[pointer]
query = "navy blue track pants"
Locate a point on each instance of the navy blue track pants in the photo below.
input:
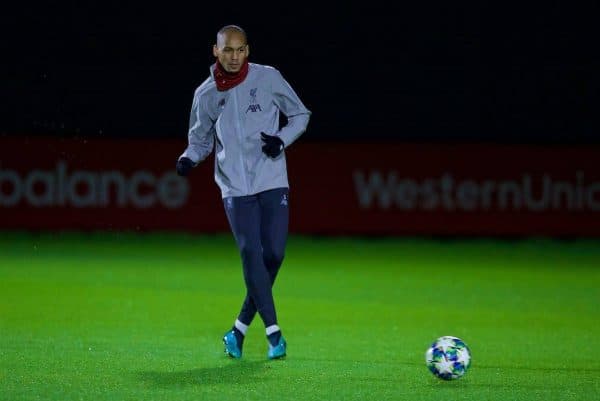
(260, 225)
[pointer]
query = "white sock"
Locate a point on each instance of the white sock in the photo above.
(272, 329)
(241, 326)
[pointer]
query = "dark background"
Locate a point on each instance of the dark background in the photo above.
(436, 71)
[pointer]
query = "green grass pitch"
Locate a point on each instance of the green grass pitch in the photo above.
(140, 317)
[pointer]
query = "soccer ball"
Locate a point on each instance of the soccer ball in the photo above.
(448, 358)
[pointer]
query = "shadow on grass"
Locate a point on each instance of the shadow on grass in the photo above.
(390, 362)
(236, 372)
(543, 369)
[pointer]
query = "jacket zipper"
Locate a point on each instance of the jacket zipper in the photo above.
(240, 138)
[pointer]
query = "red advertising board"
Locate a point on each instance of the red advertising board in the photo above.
(348, 189)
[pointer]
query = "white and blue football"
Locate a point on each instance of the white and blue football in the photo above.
(448, 358)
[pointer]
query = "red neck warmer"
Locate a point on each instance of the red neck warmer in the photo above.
(227, 80)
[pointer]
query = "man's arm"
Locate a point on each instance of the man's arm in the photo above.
(292, 107)
(200, 134)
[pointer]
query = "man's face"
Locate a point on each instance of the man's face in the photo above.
(231, 50)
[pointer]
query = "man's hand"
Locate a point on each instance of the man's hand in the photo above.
(184, 166)
(273, 145)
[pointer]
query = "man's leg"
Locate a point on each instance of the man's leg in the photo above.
(273, 231)
(244, 217)
(274, 206)
(273, 235)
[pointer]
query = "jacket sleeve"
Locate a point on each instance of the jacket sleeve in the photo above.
(291, 106)
(200, 134)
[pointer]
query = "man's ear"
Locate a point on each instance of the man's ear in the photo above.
(247, 50)
(215, 51)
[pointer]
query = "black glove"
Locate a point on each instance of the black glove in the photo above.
(184, 166)
(273, 145)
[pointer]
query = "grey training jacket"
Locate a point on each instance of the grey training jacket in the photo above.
(235, 118)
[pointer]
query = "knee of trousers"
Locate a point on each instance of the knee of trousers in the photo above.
(273, 258)
(251, 256)
(248, 246)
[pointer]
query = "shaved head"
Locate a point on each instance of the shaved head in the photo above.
(228, 30)
(231, 48)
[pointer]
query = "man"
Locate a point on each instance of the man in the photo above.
(236, 110)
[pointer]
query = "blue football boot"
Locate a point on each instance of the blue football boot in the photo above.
(232, 348)
(278, 351)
